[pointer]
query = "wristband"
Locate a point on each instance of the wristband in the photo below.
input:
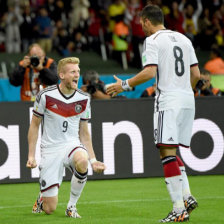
(125, 86)
(93, 160)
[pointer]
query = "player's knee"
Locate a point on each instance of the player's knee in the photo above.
(82, 165)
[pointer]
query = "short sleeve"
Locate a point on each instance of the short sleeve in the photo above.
(150, 53)
(86, 115)
(39, 105)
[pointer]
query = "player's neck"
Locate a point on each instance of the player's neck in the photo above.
(65, 90)
(157, 28)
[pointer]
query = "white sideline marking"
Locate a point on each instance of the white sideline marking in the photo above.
(114, 201)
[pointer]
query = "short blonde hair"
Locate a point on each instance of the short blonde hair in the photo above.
(65, 61)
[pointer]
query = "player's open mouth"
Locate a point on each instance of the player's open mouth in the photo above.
(75, 81)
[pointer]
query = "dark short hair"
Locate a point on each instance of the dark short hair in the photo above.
(91, 76)
(153, 13)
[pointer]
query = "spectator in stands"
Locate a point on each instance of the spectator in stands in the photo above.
(13, 20)
(205, 37)
(174, 20)
(50, 6)
(191, 15)
(216, 64)
(204, 86)
(101, 8)
(34, 72)
(94, 29)
(116, 11)
(44, 29)
(218, 25)
(37, 3)
(222, 11)
(57, 11)
(219, 37)
(94, 86)
(120, 36)
(190, 34)
(204, 20)
(26, 28)
(137, 34)
(79, 15)
(62, 42)
(119, 27)
(2, 31)
(161, 4)
(79, 42)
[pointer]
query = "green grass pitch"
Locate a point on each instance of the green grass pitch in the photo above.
(126, 201)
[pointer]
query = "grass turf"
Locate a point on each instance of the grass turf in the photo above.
(128, 201)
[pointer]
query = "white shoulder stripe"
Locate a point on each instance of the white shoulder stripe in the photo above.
(49, 88)
(82, 92)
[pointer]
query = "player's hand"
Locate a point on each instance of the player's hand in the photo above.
(31, 163)
(115, 88)
(98, 167)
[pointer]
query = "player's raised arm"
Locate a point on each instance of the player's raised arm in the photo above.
(146, 74)
(32, 141)
(86, 140)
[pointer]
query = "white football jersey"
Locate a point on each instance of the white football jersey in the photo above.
(61, 115)
(173, 54)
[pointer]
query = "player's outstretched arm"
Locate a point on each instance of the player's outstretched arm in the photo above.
(146, 74)
(86, 140)
(32, 141)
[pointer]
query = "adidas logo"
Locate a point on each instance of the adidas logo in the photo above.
(170, 139)
(54, 106)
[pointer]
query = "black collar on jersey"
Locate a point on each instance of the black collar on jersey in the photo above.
(66, 97)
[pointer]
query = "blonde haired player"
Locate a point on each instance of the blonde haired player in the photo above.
(170, 57)
(64, 111)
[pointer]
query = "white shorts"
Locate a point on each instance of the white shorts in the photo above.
(52, 164)
(173, 127)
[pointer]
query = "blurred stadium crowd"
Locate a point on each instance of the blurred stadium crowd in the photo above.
(79, 25)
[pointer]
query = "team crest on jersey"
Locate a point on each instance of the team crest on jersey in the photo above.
(78, 108)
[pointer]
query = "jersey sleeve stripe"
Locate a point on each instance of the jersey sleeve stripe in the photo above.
(83, 93)
(194, 64)
(49, 88)
(151, 65)
(37, 114)
(166, 145)
(85, 119)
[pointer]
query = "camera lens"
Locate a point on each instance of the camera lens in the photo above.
(34, 60)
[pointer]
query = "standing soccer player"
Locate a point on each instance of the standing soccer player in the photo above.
(64, 111)
(170, 57)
